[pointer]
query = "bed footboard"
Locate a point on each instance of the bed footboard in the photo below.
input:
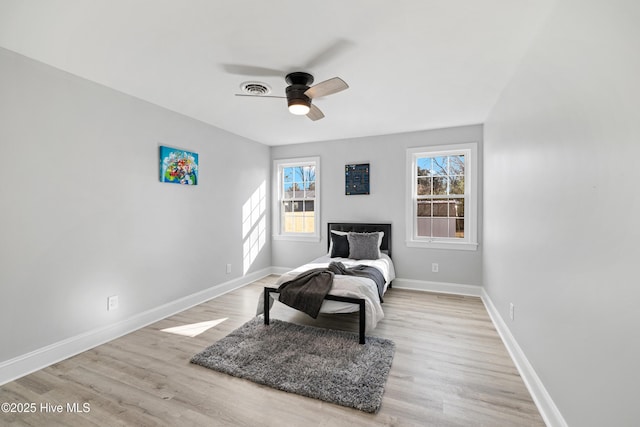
(359, 301)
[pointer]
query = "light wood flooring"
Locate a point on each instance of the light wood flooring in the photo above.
(450, 369)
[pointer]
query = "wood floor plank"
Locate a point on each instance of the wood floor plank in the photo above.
(450, 369)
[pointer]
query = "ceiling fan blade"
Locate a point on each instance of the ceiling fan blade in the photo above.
(250, 70)
(314, 113)
(327, 87)
(330, 52)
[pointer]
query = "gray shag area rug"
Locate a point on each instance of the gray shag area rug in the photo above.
(324, 364)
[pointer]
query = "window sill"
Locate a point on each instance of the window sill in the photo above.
(460, 246)
(297, 238)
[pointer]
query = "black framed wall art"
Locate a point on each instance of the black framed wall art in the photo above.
(356, 179)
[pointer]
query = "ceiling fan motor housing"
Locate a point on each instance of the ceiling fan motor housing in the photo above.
(299, 78)
(295, 95)
(298, 82)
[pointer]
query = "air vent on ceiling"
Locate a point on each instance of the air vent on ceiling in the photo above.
(255, 88)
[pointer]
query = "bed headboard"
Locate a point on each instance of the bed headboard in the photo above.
(360, 227)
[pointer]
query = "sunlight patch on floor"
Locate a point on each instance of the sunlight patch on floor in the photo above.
(194, 329)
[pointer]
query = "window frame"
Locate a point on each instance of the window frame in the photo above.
(470, 240)
(278, 166)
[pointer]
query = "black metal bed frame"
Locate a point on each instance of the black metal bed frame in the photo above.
(359, 301)
(344, 226)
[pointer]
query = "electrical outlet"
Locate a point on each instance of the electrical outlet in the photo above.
(228, 268)
(112, 303)
(434, 267)
(511, 311)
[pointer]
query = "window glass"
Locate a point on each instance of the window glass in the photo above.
(441, 193)
(297, 181)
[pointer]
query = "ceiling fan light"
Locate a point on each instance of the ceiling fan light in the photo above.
(299, 107)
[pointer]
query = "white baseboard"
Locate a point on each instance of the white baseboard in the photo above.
(442, 287)
(548, 409)
(420, 285)
(280, 270)
(27, 363)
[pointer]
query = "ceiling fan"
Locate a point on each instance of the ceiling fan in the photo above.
(300, 93)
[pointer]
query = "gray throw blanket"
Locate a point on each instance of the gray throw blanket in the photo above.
(361, 271)
(306, 292)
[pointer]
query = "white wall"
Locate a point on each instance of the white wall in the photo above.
(386, 155)
(561, 201)
(84, 215)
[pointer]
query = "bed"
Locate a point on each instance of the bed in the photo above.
(348, 293)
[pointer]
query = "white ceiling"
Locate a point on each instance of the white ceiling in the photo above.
(410, 64)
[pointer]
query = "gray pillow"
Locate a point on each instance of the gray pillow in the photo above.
(364, 245)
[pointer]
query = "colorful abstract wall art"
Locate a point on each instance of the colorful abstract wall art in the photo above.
(178, 166)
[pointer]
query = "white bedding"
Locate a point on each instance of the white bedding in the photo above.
(347, 286)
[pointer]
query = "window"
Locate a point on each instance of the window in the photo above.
(297, 198)
(442, 201)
